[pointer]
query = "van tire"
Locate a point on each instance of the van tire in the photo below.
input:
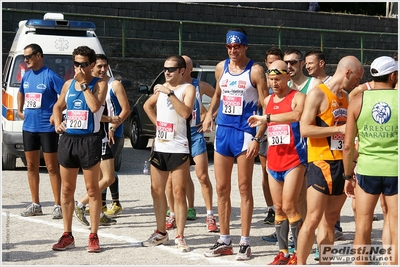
(137, 141)
(9, 162)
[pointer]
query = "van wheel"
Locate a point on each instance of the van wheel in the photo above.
(137, 141)
(9, 162)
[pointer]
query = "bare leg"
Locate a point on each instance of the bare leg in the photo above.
(201, 169)
(223, 175)
(33, 162)
(107, 177)
(179, 181)
(91, 176)
(265, 182)
(245, 182)
(54, 173)
(68, 186)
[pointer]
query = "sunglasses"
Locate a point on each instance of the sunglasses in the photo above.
(235, 47)
(28, 57)
(277, 71)
(170, 69)
(293, 61)
(81, 64)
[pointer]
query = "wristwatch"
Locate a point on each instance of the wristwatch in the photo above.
(171, 92)
(84, 87)
(258, 140)
(112, 129)
(347, 177)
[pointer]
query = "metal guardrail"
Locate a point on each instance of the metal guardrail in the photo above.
(181, 24)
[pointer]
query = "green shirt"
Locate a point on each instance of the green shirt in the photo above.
(377, 127)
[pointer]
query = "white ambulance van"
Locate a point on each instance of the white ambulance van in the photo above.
(58, 38)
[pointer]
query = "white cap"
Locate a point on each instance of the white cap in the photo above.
(383, 65)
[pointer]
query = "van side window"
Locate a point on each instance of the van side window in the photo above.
(20, 68)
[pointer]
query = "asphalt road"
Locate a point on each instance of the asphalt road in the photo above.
(28, 240)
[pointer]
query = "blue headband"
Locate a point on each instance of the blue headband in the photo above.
(235, 37)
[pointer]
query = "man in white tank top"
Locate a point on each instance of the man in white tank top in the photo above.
(170, 109)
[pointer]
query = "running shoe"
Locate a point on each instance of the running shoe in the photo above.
(290, 240)
(280, 259)
(219, 249)
(65, 242)
(211, 223)
(103, 209)
(244, 252)
(170, 223)
(93, 243)
(180, 243)
(80, 215)
(270, 238)
(32, 210)
(191, 214)
(270, 219)
(316, 254)
(106, 221)
(114, 211)
(293, 260)
(156, 239)
(338, 235)
(168, 213)
(57, 213)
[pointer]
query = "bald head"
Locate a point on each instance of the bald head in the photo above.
(349, 63)
(350, 72)
(279, 64)
(189, 68)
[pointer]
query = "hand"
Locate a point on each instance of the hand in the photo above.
(256, 120)
(21, 115)
(111, 137)
(207, 124)
(342, 129)
(79, 75)
(161, 88)
(349, 186)
(116, 120)
(61, 128)
(253, 149)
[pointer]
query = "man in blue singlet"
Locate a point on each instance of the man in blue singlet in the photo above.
(241, 83)
(80, 145)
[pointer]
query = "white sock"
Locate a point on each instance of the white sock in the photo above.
(79, 204)
(172, 214)
(210, 213)
(271, 207)
(245, 240)
(225, 238)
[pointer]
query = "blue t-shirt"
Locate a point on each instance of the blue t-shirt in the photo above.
(41, 89)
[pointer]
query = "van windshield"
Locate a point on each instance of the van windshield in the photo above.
(60, 64)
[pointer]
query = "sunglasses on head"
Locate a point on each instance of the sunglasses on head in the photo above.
(29, 56)
(293, 61)
(277, 71)
(170, 69)
(235, 47)
(81, 64)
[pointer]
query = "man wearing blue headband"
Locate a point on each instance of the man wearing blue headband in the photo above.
(241, 86)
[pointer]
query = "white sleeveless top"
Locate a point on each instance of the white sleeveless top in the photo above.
(171, 128)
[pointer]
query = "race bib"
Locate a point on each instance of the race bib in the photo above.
(33, 100)
(278, 134)
(165, 130)
(193, 122)
(77, 119)
(232, 104)
(337, 142)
